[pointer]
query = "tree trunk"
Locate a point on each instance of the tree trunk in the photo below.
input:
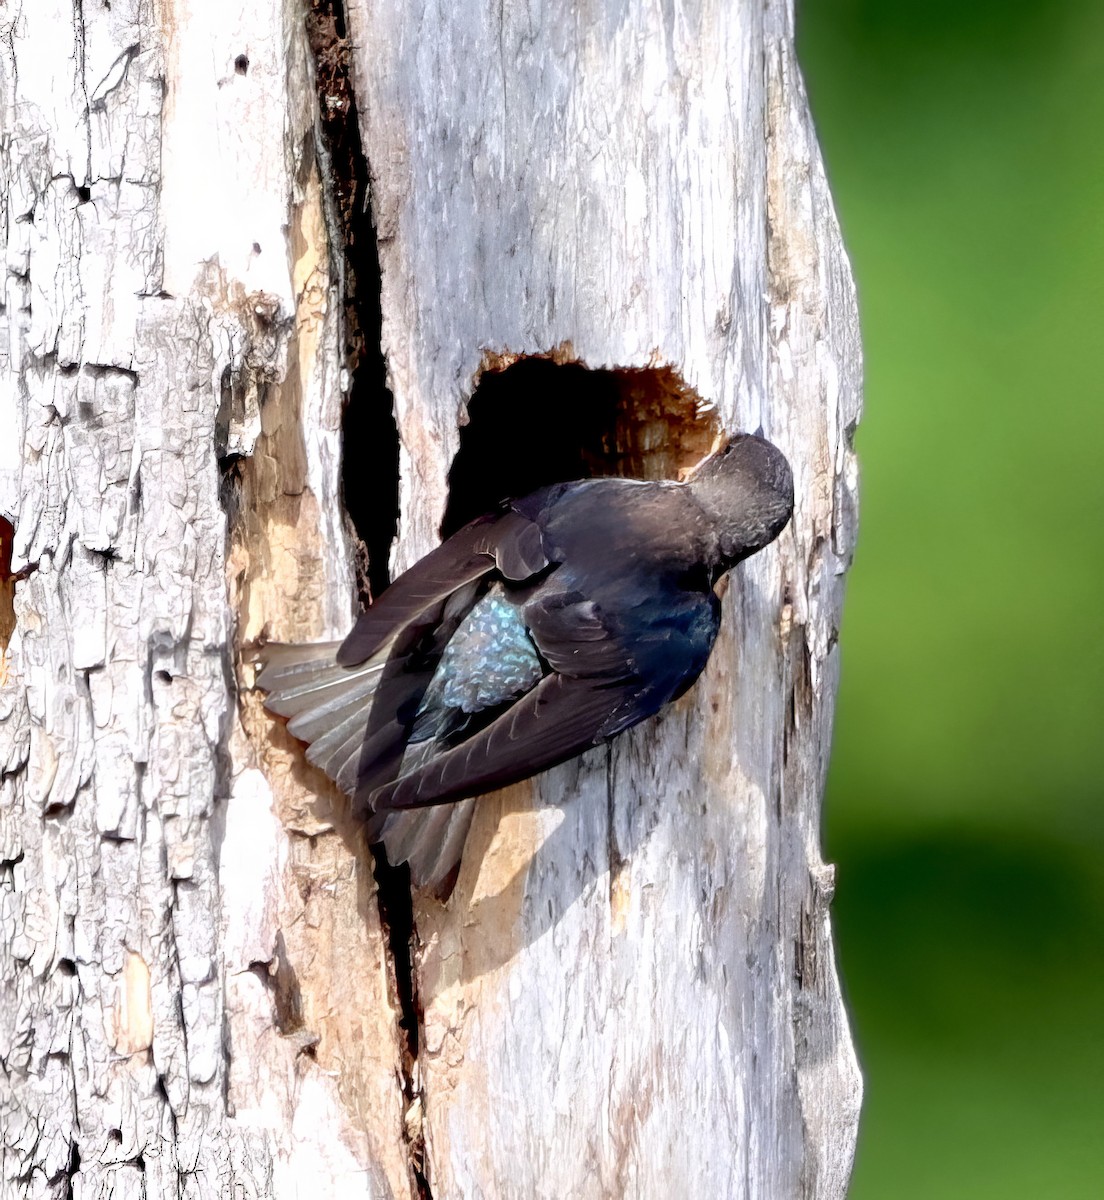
(631, 991)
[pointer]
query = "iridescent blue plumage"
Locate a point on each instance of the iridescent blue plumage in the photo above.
(488, 660)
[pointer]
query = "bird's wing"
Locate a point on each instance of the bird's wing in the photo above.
(576, 639)
(507, 541)
(592, 692)
(561, 717)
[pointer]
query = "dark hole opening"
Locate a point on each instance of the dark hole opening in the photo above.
(241, 64)
(538, 422)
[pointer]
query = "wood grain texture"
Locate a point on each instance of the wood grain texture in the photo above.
(193, 994)
(632, 991)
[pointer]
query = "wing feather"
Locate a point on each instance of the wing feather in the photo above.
(506, 541)
(559, 718)
(575, 639)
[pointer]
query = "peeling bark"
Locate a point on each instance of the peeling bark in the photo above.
(193, 994)
(632, 988)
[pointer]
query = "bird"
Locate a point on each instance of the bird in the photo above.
(535, 632)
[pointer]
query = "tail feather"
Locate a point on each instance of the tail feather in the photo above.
(328, 747)
(285, 663)
(381, 755)
(322, 685)
(430, 840)
(344, 764)
(436, 862)
(402, 838)
(330, 708)
(329, 704)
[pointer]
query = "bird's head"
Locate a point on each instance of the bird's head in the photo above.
(746, 490)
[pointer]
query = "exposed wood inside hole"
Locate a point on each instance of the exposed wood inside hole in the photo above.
(538, 421)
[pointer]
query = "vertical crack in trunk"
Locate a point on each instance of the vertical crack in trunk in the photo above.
(370, 467)
(370, 479)
(72, 1170)
(7, 590)
(396, 908)
(634, 422)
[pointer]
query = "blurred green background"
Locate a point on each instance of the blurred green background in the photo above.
(965, 144)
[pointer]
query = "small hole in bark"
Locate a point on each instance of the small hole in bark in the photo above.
(538, 422)
(163, 676)
(241, 64)
(84, 194)
(67, 967)
(116, 1135)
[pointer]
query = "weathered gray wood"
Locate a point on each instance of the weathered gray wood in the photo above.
(632, 991)
(160, 905)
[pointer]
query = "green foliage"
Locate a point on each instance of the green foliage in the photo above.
(964, 145)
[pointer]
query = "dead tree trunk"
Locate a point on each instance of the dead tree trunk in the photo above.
(611, 225)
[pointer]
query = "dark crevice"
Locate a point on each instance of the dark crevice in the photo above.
(162, 1092)
(370, 439)
(396, 910)
(7, 584)
(279, 975)
(72, 1170)
(223, 418)
(397, 917)
(110, 370)
(421, 1182)
(370, 471)
(105, 556)
(7, 871)
(532, 422)
(538, 422)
